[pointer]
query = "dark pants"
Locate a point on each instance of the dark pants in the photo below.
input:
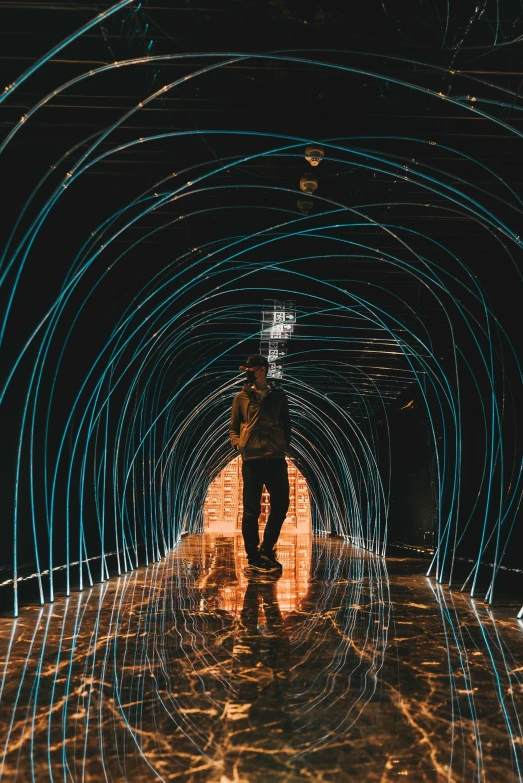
(256, 473)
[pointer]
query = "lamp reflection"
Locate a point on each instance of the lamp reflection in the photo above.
(261, 661)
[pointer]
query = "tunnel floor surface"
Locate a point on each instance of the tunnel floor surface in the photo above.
(345, 668)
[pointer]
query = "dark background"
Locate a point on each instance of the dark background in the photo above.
(389, 48)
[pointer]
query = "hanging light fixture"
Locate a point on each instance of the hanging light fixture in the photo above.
(308, 184)
(304, 206)
(314, 155)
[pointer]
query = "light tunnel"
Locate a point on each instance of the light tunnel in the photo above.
(146, 252)
(132, 443)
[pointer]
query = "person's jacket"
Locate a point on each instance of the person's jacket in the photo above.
(260, 430)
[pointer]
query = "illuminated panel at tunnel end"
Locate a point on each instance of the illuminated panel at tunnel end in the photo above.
(223, 507)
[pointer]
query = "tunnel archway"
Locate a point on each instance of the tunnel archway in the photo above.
(121, 362)
(168, 171)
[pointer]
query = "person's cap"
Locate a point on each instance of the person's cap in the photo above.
(255, 360)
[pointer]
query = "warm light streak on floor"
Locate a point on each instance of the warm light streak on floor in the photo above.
(339, 671)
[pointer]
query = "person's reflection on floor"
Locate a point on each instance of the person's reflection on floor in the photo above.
(261, 656)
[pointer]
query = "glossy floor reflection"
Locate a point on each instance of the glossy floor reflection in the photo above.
(338, 671)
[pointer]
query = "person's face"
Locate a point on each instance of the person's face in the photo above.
(255, 373)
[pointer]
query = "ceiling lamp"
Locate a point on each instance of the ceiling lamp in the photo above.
(304, 206)
(308, 184)
(314, 155)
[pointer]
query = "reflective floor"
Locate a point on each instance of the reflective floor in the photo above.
(337, 671)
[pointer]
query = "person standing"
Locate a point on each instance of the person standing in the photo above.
(261, 431)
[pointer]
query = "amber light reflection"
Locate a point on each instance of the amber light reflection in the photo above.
(225, 561)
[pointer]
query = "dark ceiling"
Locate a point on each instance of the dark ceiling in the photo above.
(388, 89)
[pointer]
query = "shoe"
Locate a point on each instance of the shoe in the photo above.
(271, 556)
(261, 564)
